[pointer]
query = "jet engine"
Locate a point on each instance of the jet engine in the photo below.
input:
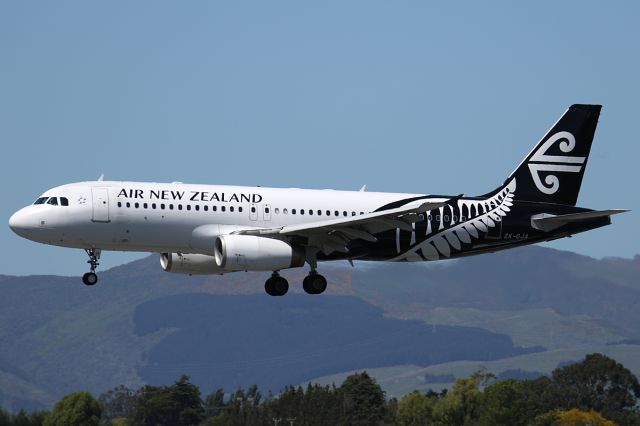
(251, 253)
(192, 264)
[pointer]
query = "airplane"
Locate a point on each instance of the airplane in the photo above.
(215, 229)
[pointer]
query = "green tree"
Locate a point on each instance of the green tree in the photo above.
(415, 409)
(598, 383)
(214, 403)
(118, 402)
(509, 402)
(5, 418)
(575, 417)
(363, 399)
(176, 405)
(462, 405)
(185, 398)
(76, 409)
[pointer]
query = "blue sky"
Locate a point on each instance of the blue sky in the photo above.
(402, 96)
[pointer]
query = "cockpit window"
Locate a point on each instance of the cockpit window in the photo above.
(53, 201)
(41, 200)
(64, 201)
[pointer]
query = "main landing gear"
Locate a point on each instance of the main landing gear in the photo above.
(276, 285)
(314, 283)
(90, 278)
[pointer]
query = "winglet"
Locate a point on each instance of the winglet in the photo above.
(364, 188)
(101, 178)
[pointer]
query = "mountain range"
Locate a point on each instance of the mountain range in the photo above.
(412, 326)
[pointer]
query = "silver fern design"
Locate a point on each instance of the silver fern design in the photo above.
(481, 215)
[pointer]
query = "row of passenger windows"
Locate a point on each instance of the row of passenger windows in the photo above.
(232, 209)
(52, 201)
(188, 207)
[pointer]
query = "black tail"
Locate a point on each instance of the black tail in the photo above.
(553, 171)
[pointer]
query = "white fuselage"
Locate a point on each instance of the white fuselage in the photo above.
(162, 217)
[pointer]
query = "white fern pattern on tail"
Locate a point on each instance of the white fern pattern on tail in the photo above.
(482, 215)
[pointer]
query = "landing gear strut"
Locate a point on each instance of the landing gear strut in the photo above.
(90, 278)
(276, 285)
(314, 283)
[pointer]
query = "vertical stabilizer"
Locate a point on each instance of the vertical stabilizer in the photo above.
(553, 171)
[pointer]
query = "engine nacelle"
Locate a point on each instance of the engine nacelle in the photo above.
(192, 264)
(251, 253)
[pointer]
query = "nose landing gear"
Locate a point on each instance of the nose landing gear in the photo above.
(90, 278)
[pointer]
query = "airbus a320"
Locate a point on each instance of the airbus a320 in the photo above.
(215, 229)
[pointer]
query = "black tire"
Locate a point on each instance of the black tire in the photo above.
(268, 287)
(314, 284)
(89, 279)
(280, 286)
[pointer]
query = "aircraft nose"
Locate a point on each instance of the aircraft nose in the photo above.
(18, 222)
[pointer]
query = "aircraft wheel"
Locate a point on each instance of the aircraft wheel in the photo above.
(90, 278)
(280, 286)
(314, 283)
(276, 286)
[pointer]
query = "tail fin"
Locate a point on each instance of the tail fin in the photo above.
(553, 171)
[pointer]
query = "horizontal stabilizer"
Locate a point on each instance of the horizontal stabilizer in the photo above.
(547, 222)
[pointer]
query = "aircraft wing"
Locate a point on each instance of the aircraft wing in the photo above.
(334, 234)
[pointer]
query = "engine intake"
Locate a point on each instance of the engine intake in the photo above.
(251, 253)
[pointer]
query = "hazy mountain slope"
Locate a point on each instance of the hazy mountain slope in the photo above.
(402, 379)
(527, 278)
(141, 324)
(232, 341)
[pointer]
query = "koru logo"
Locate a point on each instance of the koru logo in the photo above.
(541, 162)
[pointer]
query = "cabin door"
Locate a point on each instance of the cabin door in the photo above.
(100, 204)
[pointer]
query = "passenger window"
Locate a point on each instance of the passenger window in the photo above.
(328, 212)
(223, 208)
(64, 201)
(128, 204)
(119, 204)
(153, 206)
(353, 213)
(179, 207)
(293, 211)
(206, 208)
(137, 205)
(301, 211)
(310, 212)
(231, 209)
(240, 209)
(266, 210)
(277, 210)
(253, 209)
(189, 207)
(162, 206)
(214, 208)
(53, 201)
(337, 213)
(171, 206)
(145, 205)
(197, 208)
(285, 211)
(344, 213)
(319, 212)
